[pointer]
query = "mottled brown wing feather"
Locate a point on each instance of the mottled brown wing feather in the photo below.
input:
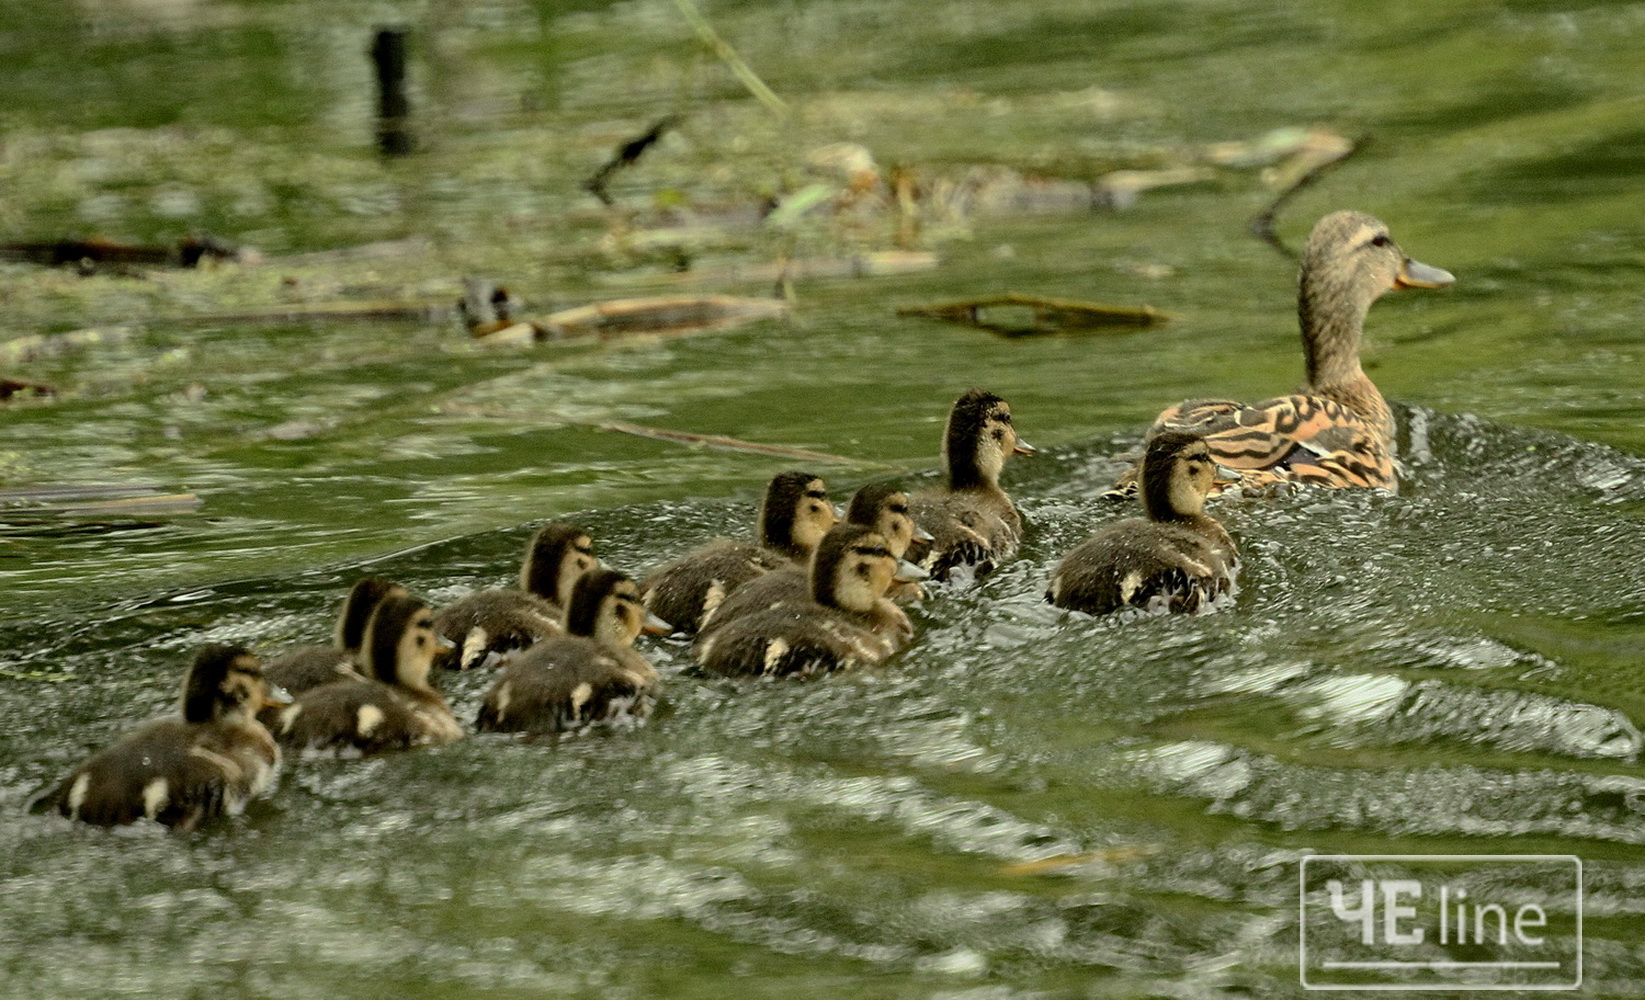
(1290, 438)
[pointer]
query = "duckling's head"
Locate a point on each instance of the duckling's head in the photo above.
(884, 508)
(1349, 262)
(853, 568)
(400, 643)
(363, 598)
(795, 514)
(557, 555)
(1177, 474)
(225, 684)
(605, 605)
(978, 439)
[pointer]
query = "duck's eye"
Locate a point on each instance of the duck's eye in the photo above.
(1382, 240)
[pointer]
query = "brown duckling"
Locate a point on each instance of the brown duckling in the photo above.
(298, 669)
(489, 624)
(880, 506)
(183, 772)
(974, 521)
(1177, 559)
(396, 709)
(847, 622)
(794, 516)
(1338, 430)
(589, 676)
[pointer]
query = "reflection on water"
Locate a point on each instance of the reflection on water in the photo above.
(1026, 802)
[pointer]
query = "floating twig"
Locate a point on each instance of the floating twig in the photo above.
(1016, 315)
(728, 55)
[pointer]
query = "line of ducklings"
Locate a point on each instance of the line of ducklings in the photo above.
(812, 594)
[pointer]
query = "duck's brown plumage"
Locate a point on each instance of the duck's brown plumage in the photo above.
(489, 624)
(794, 515)
(971, 518)
(590, 676)
(1338, 430)
(393, 710)
(1178, 558)
(186, 771)
(847, 622)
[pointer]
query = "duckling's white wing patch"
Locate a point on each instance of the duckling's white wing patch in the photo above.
(77, 793)
(775, 650)
(367, 719)
(474, 647)
(155, 796)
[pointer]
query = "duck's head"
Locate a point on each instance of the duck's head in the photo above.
(556, 556)
(362, 600)
(401, 644)
(1349, 262)
(605, 605)
(978, 439)
(795, 513)
(226, 684)
(1178, 473)
(853, 568)
(884, 508)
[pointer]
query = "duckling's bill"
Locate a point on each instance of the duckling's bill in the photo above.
(1023, 448)
(655, 626)
(907, 572)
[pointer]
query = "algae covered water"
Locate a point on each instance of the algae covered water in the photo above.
(1025, 802)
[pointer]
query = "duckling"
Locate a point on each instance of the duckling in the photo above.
(590, 675)
(298, 669)
(1338, 430)
(489, 624)
(395, 710)
(794, 516)
(847, 622)
(183, 772)
(880, 506)
(974, 522)
(1177, 559)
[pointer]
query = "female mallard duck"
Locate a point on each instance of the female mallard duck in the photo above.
(304, 667)
(880, 506)
(972, 518)
(1177, 559)
(847, 622)
(489, 624)
(794, 516)
(588, 676)
(183, 772)
(1337, 431)
(396, 709)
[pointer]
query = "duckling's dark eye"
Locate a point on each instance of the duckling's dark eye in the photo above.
(1382, 240)
(898, 509)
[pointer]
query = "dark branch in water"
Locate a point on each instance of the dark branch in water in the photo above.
(625, 156)
(1262, 225)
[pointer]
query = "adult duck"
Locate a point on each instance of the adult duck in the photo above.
(1338, 430)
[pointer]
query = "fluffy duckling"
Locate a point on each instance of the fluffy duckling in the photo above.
(1338, 430)
(848, 621)
(794, 516)
(296, 670)
(1177, 559)
(972, 518)
(880, 506)
(488, 624)
(183, 772)
(394, 710)
(588, 676)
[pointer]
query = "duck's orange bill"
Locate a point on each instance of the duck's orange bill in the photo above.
(1416, 274)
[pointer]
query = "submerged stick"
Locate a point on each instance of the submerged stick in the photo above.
(689, 439)
(728, 55)
(627, 154)
(1262, 225)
